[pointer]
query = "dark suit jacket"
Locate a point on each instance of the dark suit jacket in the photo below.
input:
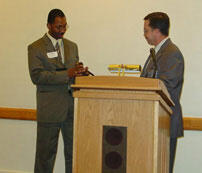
(54, 101)
(170, 69)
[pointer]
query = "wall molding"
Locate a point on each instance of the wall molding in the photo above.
(17, 113)
(190, 123)
(12, 171)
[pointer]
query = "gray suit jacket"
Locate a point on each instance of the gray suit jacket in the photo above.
(54, 101)
(170, 69)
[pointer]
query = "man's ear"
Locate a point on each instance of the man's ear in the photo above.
(49, 26)
(157, 30)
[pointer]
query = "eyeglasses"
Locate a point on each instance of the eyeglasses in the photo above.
(61, 27)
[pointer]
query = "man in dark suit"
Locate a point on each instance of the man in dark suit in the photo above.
(52, 65)
(169, 68)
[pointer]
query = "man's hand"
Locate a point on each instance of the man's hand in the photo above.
(78, 70)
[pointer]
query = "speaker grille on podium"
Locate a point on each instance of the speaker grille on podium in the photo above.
(114, 149)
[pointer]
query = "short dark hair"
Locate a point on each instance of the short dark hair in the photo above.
(53, 14)
(159, 20)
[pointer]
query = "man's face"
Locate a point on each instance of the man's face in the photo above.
(150, 34)
(58, 28)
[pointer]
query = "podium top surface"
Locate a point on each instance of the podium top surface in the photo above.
(123, 83)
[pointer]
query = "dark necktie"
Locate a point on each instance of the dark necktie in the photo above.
(57, 48)
(150, 67)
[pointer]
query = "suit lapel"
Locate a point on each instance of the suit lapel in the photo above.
(66, 52)
(50, 48)
(69, 54)
(143, 74)
(48, 43)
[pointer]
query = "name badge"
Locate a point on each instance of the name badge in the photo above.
(52, 54)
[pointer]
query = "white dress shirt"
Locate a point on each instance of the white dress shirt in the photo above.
(61, 45)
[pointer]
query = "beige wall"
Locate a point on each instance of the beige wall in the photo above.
(106, 32)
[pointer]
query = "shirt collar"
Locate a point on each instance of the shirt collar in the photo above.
(54, 41)
(157, 48)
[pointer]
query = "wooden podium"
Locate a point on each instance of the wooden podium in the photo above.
(121, 125)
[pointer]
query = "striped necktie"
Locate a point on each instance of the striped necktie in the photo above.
(57, 48)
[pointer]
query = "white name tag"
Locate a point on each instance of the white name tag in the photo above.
(52, 54)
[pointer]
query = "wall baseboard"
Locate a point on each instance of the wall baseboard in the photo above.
(190, 123)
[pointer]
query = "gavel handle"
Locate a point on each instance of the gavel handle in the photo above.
(80, 63)
(91, 73)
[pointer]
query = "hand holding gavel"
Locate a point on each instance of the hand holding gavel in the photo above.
(78, 70)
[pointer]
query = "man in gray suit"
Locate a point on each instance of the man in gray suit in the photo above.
(52, 66)
(169, 67)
